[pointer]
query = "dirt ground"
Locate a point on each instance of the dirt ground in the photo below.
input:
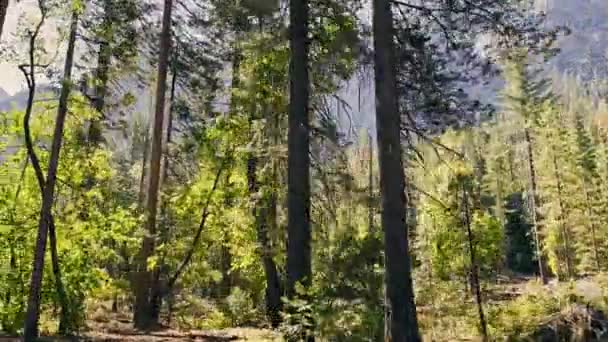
(240, 334)
(116, 331)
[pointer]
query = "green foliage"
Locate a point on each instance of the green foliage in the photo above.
(442, 224)
(194, 312)
(523, 315)
(240, 308)
(300, 314)
(86, 219)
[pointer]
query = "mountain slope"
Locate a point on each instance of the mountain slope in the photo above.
(585, 51)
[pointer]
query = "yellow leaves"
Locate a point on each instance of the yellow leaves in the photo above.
(78, 6)
(462, 170)
(152, 262)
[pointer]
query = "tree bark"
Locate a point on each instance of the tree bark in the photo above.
(3, 10)
(157, 290)
(402, 324)
(225, 285)
(298, 182)
(533, 209)
(299, 268)
(146, 308)
(33, 309)
(370, 184)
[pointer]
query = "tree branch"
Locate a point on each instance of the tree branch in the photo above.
(201, 226)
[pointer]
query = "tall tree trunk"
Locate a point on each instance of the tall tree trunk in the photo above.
(533, 209)
(299, 268)
(33, 309)
(370, 185)
(562, 219)
(475, 283)
(169, 128)
(402, 323)
(3, 10)
(298, 182)
(157, 291)
(146, 308)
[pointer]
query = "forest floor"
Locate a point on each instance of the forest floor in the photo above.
(126, 333)
(116, 327)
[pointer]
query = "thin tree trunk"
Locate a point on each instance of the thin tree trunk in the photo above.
(141, 198)
(3, 10)
(169, 129)
(146, 309)
(562, 216)
(370, 199)
(31, 320)
(537, 239)
(225, 286)
(401, 323)
(33, 157)
(596, 254)
(511, 160)
(157, 291)
(205, 214)
(298, 182)
(475, 284)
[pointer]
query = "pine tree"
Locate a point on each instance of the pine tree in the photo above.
(522, 97)
(462, 185)
(299, 234)
(558, 210)
(402, 323)
(147, 302)
(587, 163)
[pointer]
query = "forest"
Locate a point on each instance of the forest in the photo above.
(299, 170)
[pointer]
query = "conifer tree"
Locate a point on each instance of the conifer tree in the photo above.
(147, 302)
(522, 97)
(401, 322)
(558, 210)
(587, 164)
(299, 234)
